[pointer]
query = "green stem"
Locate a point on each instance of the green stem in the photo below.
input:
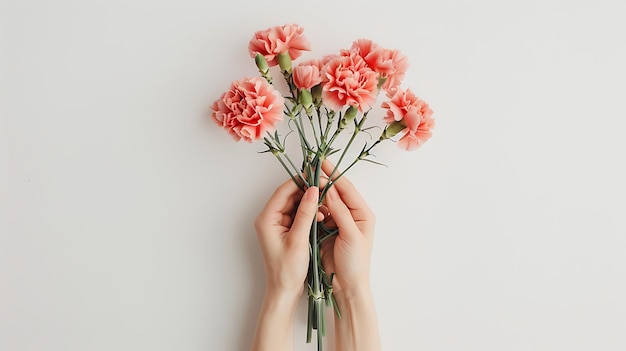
(319, 122)
(277, 150)
(298, 172)
(327, 236)
(329, 120)
(309, 323)
(301, 131)
(316, 288)
(314, 232)
(317, 138)
(321, 331)
(356, 131)
(332, 182)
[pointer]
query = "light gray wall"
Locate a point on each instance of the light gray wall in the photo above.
(126, 215)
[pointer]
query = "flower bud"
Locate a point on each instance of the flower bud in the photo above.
(392, 129)
(348, 116)
(305, 99)
(350, 113)
(261, 63)
(284, 61)
(263, 67)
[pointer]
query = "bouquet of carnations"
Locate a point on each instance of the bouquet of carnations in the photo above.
(323, 99)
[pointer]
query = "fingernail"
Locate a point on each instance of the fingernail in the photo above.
(311, 194)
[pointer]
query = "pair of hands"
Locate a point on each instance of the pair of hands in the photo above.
(283, 231)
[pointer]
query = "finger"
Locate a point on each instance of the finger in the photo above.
(323, 210)
(323, 180)
(320, 216)
(348, 193)
(323, 214)
(307, 212)
(341, 214)
(279, 209)
(329, 222)
(283, 200)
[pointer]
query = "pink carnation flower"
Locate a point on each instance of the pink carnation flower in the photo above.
(348, 81)
(307, 74)
(326, 59)
(414, 114)
(314, 62)
(249, 109)
(363, 46)
(273, 41)
(390, 64)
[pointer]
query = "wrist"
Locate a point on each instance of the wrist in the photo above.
(353, 289)
(276, 319)
(353, 295)
(357, 329)
(283, 296)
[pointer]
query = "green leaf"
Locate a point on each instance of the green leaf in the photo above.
(374, 162)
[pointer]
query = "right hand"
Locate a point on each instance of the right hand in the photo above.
(348, 254)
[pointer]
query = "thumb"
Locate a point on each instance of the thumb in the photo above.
(307, 211)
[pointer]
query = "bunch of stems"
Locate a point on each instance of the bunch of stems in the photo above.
(318, 129)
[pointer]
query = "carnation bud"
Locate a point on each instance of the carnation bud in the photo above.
(348, 116)
(263, 67)
(305, 98)
(392, 129)
(284, 62)
(261, 63)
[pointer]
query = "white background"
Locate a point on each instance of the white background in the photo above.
(126, 214)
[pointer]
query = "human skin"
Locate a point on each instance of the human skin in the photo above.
(349, 255)
(282, 229)
(284, 242)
